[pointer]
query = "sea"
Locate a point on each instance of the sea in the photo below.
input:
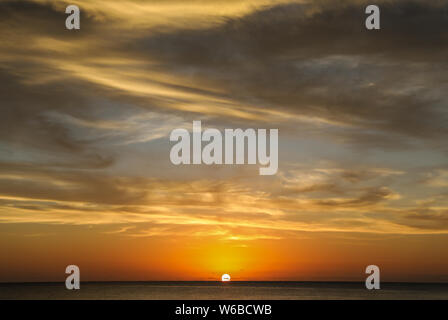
(234, 290)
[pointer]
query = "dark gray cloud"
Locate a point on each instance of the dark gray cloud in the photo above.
(427, 219)
(409, 30)
(318, 60)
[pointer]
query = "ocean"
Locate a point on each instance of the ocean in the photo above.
(224, 291)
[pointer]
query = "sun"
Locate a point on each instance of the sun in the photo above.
(225, 277)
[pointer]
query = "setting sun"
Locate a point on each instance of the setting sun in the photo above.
(225, 277)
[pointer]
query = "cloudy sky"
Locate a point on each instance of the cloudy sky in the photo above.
(85, 175)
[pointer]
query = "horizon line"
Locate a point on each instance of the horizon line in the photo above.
(227, 282)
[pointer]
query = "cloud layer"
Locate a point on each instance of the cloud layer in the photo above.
(362, 116)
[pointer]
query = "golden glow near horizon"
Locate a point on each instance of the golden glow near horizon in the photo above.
(85, 174)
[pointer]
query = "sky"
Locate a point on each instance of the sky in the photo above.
(85, 174)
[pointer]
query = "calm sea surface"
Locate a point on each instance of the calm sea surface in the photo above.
(223, 291)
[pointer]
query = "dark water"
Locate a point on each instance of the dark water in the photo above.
(224, 291)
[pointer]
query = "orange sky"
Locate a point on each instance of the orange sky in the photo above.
(320, 256)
